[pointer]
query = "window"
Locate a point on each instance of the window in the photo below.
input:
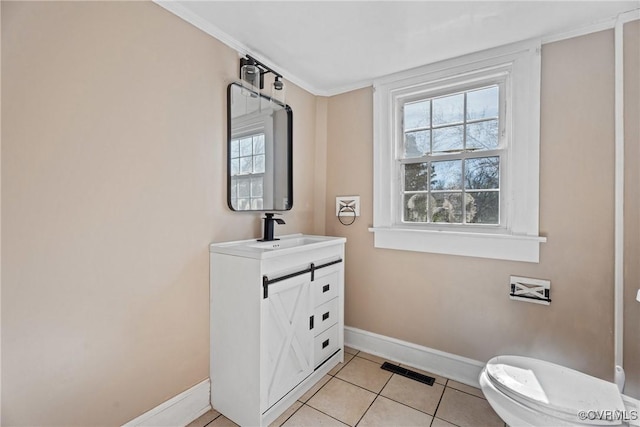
(456, 156)
(247, 171)
(450, 157)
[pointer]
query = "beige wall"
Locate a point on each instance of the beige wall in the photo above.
(632, 207)
(113, 185)
(460, 305)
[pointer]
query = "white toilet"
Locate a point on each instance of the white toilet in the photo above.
(530, 392)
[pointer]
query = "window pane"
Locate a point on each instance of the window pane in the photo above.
(235, 148)
(448, 109)
(235, 167)
(256, 204)
(483, 135)
(258, 164)
(482, 173)
(234, 188)
(258, 144)
(446, 207)
(416, 115)
(482, 103)
(256, 187)
(244, 204)
(415, 207)
(448, 139)
(246, 165)
(483, 207)
(416, 177)
(416, 144)
(245, 146)
(446, 175)
(244, 188)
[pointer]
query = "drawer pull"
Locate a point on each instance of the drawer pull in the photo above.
(325, 288)
(311, 322)
(325, 316)
(325, 344)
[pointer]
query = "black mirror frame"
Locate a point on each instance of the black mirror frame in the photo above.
(287, 108)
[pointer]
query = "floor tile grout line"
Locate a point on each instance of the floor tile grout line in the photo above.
(441, 397)
(439, 402)
(339, 379)
(359, 386)
(214, 418)
(433, 416)
(316, 392)
(377, 394)
(367, 410)
(466, 392)
(442, 419)
(375, 398)
(411, 407)
(356, 385)
(408, 406)
(322, 412)
(343, 365)
(294, 412)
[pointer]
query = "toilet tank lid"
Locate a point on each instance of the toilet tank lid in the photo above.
(554, 389)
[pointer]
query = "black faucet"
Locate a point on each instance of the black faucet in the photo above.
(268, 227)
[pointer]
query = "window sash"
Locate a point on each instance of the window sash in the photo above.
(462, 191)
(500, 80)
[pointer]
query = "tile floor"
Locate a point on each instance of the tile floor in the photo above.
(359, 393)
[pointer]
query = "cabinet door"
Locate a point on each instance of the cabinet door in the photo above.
(288, 336)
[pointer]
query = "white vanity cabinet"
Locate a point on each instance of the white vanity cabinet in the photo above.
(277, 322)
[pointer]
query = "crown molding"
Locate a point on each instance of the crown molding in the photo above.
(194, 19)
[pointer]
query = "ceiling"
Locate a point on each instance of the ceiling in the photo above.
(330, 47)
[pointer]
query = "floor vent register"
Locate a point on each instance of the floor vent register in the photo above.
(425, 379)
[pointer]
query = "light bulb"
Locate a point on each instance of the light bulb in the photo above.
(278, 90)
(250, 73)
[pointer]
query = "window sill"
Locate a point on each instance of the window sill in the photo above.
(483, 245)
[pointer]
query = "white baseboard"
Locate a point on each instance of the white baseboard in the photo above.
(180, 410)
(448, 365)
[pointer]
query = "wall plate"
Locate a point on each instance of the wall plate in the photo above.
(530, 290)
(348, 205)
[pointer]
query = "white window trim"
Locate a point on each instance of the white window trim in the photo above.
(518, 239)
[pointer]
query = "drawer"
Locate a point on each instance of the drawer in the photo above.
(325, 316)
(324, 287)
(325, 344)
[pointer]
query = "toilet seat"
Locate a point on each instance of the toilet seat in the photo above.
(553, 390)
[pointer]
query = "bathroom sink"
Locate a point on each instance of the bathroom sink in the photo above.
(285, 245)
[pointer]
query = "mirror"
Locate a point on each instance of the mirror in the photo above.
(259, 151)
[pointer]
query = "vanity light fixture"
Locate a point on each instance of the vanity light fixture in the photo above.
(252, 71)
(278, 84)
(278, 89)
